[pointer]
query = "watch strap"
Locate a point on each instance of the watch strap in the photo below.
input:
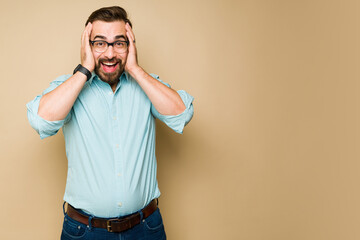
(83, 70)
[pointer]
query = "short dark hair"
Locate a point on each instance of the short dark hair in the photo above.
(109, 14)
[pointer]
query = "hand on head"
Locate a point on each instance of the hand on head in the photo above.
(87, 58)
(131, 61)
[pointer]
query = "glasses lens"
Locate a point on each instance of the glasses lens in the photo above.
(120, 46)
(100, 46)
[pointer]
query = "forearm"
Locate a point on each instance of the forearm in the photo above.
(166, 100)
(57, 104)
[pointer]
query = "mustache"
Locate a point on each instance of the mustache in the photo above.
(112, 60)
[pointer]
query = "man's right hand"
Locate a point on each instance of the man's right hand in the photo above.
(87, 58)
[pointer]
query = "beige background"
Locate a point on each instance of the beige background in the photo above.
(272, 152)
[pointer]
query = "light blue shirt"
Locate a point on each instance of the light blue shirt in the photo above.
(110, 145)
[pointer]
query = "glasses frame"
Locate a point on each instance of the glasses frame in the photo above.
(110, 44)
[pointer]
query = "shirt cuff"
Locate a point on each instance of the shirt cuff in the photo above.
(43, 127)
(178, 122)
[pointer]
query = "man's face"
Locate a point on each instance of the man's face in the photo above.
(109, 65)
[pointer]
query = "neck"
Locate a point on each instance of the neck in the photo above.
(114, 85)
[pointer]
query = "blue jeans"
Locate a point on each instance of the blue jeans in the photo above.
(150, 228)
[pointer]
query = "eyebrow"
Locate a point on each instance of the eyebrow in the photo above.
(99, 36)
(120, 36)
(104, 38)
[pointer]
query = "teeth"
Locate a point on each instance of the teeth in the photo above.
(108, 64)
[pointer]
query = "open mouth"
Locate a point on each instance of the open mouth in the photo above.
(109, 67)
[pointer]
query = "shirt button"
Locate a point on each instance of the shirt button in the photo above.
(119, 204)
(117, 145)
(110, 93)
(114, 118)
(119, 175)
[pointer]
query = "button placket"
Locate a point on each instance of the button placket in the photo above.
(117, 151)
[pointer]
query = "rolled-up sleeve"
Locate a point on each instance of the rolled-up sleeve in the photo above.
(176, 122)
(44, 127)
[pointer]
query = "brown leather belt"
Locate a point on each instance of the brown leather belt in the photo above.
(113, 224)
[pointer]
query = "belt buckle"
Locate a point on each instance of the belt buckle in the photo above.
(114, 220)
(108, 224)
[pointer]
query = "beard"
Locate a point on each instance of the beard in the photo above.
(111, 78)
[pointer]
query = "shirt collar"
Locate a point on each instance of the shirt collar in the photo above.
(93, 75)
(125, 76)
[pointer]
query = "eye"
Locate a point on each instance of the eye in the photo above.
(99, 44)
(119, 44)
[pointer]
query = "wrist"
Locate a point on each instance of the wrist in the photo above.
(135, 71)
(88, 67)
(83, 70)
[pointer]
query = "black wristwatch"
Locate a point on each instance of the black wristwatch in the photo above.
(83, 70)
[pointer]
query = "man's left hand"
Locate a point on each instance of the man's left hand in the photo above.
(131, 62)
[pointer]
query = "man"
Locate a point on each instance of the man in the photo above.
(107, 111)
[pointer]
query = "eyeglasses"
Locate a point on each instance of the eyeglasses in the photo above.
(101, 46)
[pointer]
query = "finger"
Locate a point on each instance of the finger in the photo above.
(132, 47)
(89, 28)
(131, 39)
(85, 32)
(83, 36)
(128, 29)
(88, 31)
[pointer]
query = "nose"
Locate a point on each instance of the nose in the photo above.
(109, 53)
